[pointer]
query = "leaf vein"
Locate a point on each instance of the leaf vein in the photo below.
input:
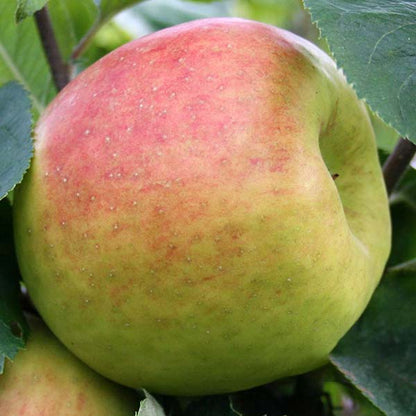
(384, 36)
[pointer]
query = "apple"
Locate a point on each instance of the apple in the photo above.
(205, 211)
(46, 379)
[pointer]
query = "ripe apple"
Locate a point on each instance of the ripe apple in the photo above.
(205, 211)
(46, 379)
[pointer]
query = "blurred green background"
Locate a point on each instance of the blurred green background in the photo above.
(149, 16)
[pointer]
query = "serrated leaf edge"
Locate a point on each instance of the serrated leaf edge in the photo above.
(31, 138)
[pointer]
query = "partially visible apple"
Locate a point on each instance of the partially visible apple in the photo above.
(47, 380)
(205, 211)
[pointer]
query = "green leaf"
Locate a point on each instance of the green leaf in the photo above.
(379, 354)
(26, 8)
(150, 407)
(403, 214)
(374, 41)
(13, 328)
(15, 140)
(22, 58)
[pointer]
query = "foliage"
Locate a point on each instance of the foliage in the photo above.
(22, 58)
(15, 124)
(403, 209)
(27, 8)
(379, 57)
(150, 407)
(12, 325)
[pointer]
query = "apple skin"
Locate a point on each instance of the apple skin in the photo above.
(181, 228)
(46, 379)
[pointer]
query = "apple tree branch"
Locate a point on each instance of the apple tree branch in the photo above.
(59, 68)
(397, 163)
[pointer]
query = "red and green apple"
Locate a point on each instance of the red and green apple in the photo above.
(205, 211)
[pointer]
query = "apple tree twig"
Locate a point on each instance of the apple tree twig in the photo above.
(59, 68)
(397, 163)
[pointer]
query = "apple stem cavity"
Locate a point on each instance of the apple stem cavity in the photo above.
(397, 163)
(59, 68)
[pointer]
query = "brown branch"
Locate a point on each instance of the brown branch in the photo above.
(397, 163)
(59, 68)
